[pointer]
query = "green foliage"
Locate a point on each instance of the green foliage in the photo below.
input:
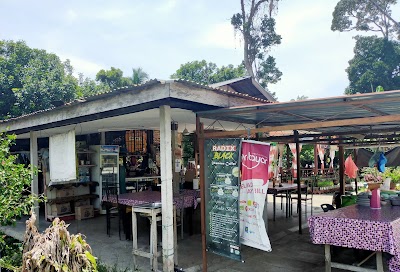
(139, 76)
(393, 173)
(188, 147)
(88, 87)
(375, 63)
(325, 183)
(113, 78)
(31, 78)
(15, 183)
(207, 72)
(307, 154)
(15, 197)
(300, 97)
(363, 15)
(256, 25)
(11, 251)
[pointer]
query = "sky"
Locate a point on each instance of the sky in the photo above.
(160, 35)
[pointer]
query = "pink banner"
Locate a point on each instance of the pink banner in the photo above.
(253, 190)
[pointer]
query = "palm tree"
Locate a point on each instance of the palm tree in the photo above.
(139, 76)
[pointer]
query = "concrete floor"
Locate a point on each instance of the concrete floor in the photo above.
(290, 250)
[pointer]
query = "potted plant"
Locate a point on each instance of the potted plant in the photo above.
(372, 177)
(394, 174)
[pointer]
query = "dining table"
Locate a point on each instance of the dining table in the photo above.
(359, 227)
(186, 198)
(287, 189)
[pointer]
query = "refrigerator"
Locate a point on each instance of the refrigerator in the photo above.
(106, 159)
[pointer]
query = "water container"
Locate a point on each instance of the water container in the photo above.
(375, 201)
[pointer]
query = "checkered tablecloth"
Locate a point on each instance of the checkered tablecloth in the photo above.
(360, 227)
(185, 199)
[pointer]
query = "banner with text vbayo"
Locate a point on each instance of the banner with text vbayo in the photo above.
(253, 190)
(222, 157)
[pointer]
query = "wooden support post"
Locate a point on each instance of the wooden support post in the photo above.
(134, 237)
(296, 139)
(379, 262)
(34, 163)
(288, 170)
(327, 258)
(315, 160)
(153, 241)
(166, 189)
(341, 170)
(200, 137)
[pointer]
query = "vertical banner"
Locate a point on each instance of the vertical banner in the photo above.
(222, 158)
(253, 190)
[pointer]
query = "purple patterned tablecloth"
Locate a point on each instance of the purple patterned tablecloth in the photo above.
(360, 227)
(185, 199)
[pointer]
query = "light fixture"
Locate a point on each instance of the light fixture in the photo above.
(185, 132)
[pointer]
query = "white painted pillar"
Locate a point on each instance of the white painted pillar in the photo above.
(34, 163)
(166, 189)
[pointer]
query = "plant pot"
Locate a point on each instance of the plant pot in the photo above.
(392, 186)
(374, 185)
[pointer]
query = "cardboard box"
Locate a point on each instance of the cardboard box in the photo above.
(84, 212)
(66, 192)
(61, 208)
(82, 202)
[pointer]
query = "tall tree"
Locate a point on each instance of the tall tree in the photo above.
(113, 78)
(365, 15)
(300, 97)
(257, 28)
(31, 78)
(88, 87)
(207, 72)
(139, 76)
(376, 62)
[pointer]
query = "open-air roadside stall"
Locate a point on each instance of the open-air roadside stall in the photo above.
(75, 145)
(371, 119)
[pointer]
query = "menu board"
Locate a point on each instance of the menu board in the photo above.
(222, 158)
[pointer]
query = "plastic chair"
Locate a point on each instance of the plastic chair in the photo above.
(111, 188)
(327, 207)
(306, 196)
(286, 176)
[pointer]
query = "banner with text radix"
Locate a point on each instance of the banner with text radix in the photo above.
(222, 180)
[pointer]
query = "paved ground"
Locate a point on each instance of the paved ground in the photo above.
(290, 250)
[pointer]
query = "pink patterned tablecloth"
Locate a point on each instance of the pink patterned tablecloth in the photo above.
(185, 199)
(360, 227)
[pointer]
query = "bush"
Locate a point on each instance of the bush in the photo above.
(11, 252)
(325, 183)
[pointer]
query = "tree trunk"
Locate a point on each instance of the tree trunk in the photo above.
(247, 63)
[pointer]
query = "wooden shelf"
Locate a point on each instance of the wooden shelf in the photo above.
(86, 165)
(71, 198)
(75, 184)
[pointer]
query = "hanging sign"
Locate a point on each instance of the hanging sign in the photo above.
(253, 190)
(222, 158)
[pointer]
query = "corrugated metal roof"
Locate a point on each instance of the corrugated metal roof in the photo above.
(246, 85)
(314, 114)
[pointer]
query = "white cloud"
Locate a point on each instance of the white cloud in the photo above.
(167, 6)
(220, 35)
(87, 67)
(71, 15)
